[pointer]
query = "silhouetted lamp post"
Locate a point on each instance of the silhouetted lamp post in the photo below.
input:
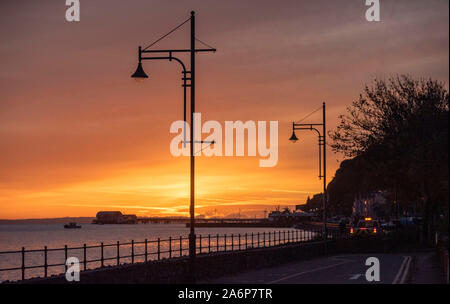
(322, 145)
(188, 81)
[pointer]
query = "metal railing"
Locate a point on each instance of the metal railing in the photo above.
(111, 254)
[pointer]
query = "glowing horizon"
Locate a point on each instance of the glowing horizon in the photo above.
(79, 135)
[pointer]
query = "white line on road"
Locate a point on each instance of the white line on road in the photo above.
(308, 271)
(404, 267)
(355, 276)
(405, 272)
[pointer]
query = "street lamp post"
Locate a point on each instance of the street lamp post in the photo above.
(322, 166)
(188, 76)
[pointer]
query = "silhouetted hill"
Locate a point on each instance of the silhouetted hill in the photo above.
(351, 179)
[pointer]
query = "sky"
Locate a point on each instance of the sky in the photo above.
(78, 135)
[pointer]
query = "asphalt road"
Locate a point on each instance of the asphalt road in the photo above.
(340, 269)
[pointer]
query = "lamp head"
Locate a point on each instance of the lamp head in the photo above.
(139, 75)
(293, 137)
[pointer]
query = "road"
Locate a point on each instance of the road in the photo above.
(339, 269)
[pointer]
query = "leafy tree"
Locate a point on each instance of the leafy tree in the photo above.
(399, 128)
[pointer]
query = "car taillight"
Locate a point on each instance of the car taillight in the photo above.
(374, 230)
(351, 230)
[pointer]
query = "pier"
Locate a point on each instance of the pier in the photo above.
(211, 222)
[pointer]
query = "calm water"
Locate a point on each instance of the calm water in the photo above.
(36, 236)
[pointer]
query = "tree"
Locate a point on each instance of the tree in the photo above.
(400, 128)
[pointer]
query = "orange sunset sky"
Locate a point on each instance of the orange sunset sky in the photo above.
(78, 135)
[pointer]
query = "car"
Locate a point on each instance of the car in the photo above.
(367, 226)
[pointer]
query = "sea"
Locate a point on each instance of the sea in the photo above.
(36, 236)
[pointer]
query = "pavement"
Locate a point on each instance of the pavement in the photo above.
(343, 269)
(426, 269)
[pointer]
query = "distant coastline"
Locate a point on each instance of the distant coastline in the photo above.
(58, 220)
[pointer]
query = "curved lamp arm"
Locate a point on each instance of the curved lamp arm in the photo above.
(170, 58)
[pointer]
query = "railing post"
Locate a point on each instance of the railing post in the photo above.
(269, 239)
(209, 243)
(279, 237)
(258, 241)
(217, 243)
(45, 261)
(232, 242)
(159, 249)
(246, 242)
(181, 246)
(102, 259)
(252, 241)
(84, 257)
(170, 247)
(65, 258)
(146, 250)
(239, 242)
(264, 239)
(200, 243)
(132, 251)
(23, 263)
(118, 253)
(225, 242)
(284, 236)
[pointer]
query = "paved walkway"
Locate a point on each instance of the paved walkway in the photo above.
(426, 269)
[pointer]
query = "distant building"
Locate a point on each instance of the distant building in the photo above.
(274, 215)
(114, 217)
(284, 215)
(369, 205)
(129, 219)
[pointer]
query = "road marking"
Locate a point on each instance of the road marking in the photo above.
(308, 271)
(355, 276)
(401, 274)
(406, 270)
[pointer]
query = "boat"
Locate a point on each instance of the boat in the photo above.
(72, 225)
